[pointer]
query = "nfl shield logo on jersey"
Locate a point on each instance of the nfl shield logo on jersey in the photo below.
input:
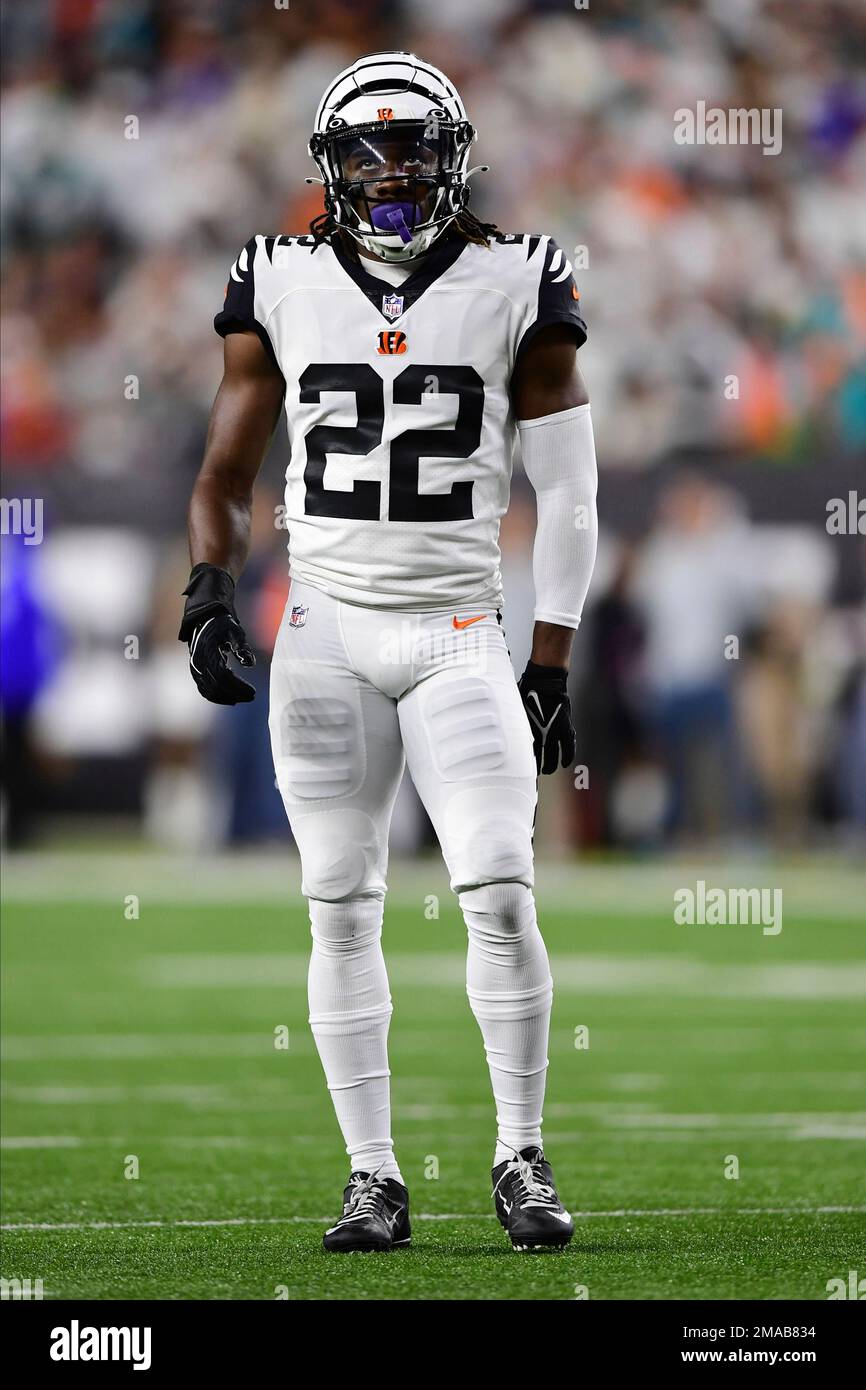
(392, 305)
(298, 615)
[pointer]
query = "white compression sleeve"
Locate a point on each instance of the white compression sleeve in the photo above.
(559, 459)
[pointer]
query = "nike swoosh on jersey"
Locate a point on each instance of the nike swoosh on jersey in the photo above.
(466, 622)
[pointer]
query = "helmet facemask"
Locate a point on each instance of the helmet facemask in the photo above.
(394, 185)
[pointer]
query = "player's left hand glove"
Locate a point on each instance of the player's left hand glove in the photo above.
(548, 708)
(210, 626)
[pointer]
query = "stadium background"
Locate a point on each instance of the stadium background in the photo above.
(698, 266)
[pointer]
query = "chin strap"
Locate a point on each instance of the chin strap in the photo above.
(403, 252)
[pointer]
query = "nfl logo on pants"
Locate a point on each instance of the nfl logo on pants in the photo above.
(298, 615)
(392, 305)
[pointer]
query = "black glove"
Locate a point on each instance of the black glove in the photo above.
(545, 699)
(210, 626)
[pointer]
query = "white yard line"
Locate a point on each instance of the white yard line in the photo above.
(202, 1141)
(807, 1133)
(217, 1096)
(28, 1047)
(572, 974)
(624, 1212)
(614, 1115)
(41, 1141)
(825, 886)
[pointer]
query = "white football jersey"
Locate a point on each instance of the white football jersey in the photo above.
(398, 408)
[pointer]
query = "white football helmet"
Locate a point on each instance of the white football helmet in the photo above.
(391, 141)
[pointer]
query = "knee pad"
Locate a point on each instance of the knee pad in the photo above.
(340, 855)
(488, 837)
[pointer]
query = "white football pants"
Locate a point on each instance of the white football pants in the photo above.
(355, 693)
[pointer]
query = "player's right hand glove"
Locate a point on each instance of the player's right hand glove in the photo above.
(543, 690)
(210, 627)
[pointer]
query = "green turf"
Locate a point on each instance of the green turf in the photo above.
(155, 1038)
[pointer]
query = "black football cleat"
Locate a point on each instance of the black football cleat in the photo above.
(528, 1204)
(375, 1216)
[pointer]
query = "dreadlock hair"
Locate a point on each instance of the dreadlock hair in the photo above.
(470, 227)
(473, 229)
(322, 228)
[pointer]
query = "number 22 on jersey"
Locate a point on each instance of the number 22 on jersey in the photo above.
(406, 502)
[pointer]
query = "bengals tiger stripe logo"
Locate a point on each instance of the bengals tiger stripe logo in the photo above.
(386, 113)
(391, 342)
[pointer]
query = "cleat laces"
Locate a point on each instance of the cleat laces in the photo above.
(367, 1198)
(530, 1189)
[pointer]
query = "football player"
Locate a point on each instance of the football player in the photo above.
(405, 340)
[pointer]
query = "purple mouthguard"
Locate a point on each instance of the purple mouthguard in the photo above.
(396, 217)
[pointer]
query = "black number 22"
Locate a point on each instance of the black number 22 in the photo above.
(406, 502)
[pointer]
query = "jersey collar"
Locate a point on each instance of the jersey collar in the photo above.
(441, 256)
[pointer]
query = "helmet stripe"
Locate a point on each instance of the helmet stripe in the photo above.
(384, 84)
(394, 59)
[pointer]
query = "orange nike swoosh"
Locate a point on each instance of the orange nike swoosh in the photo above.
(466, 622)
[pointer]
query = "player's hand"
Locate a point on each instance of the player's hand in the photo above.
(548, 708)
(210, 627)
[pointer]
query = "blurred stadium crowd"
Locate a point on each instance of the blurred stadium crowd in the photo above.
(144, 142)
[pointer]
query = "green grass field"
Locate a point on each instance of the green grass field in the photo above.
(155, 1038)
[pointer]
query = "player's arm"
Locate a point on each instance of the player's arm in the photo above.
(551, 405)
(242, 421)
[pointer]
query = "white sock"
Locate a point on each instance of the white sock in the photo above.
(350, 1010)
(510, 991)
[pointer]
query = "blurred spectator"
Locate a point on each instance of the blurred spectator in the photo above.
(611, 733)
(850, 768)
(694, 586)
(774, 720)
